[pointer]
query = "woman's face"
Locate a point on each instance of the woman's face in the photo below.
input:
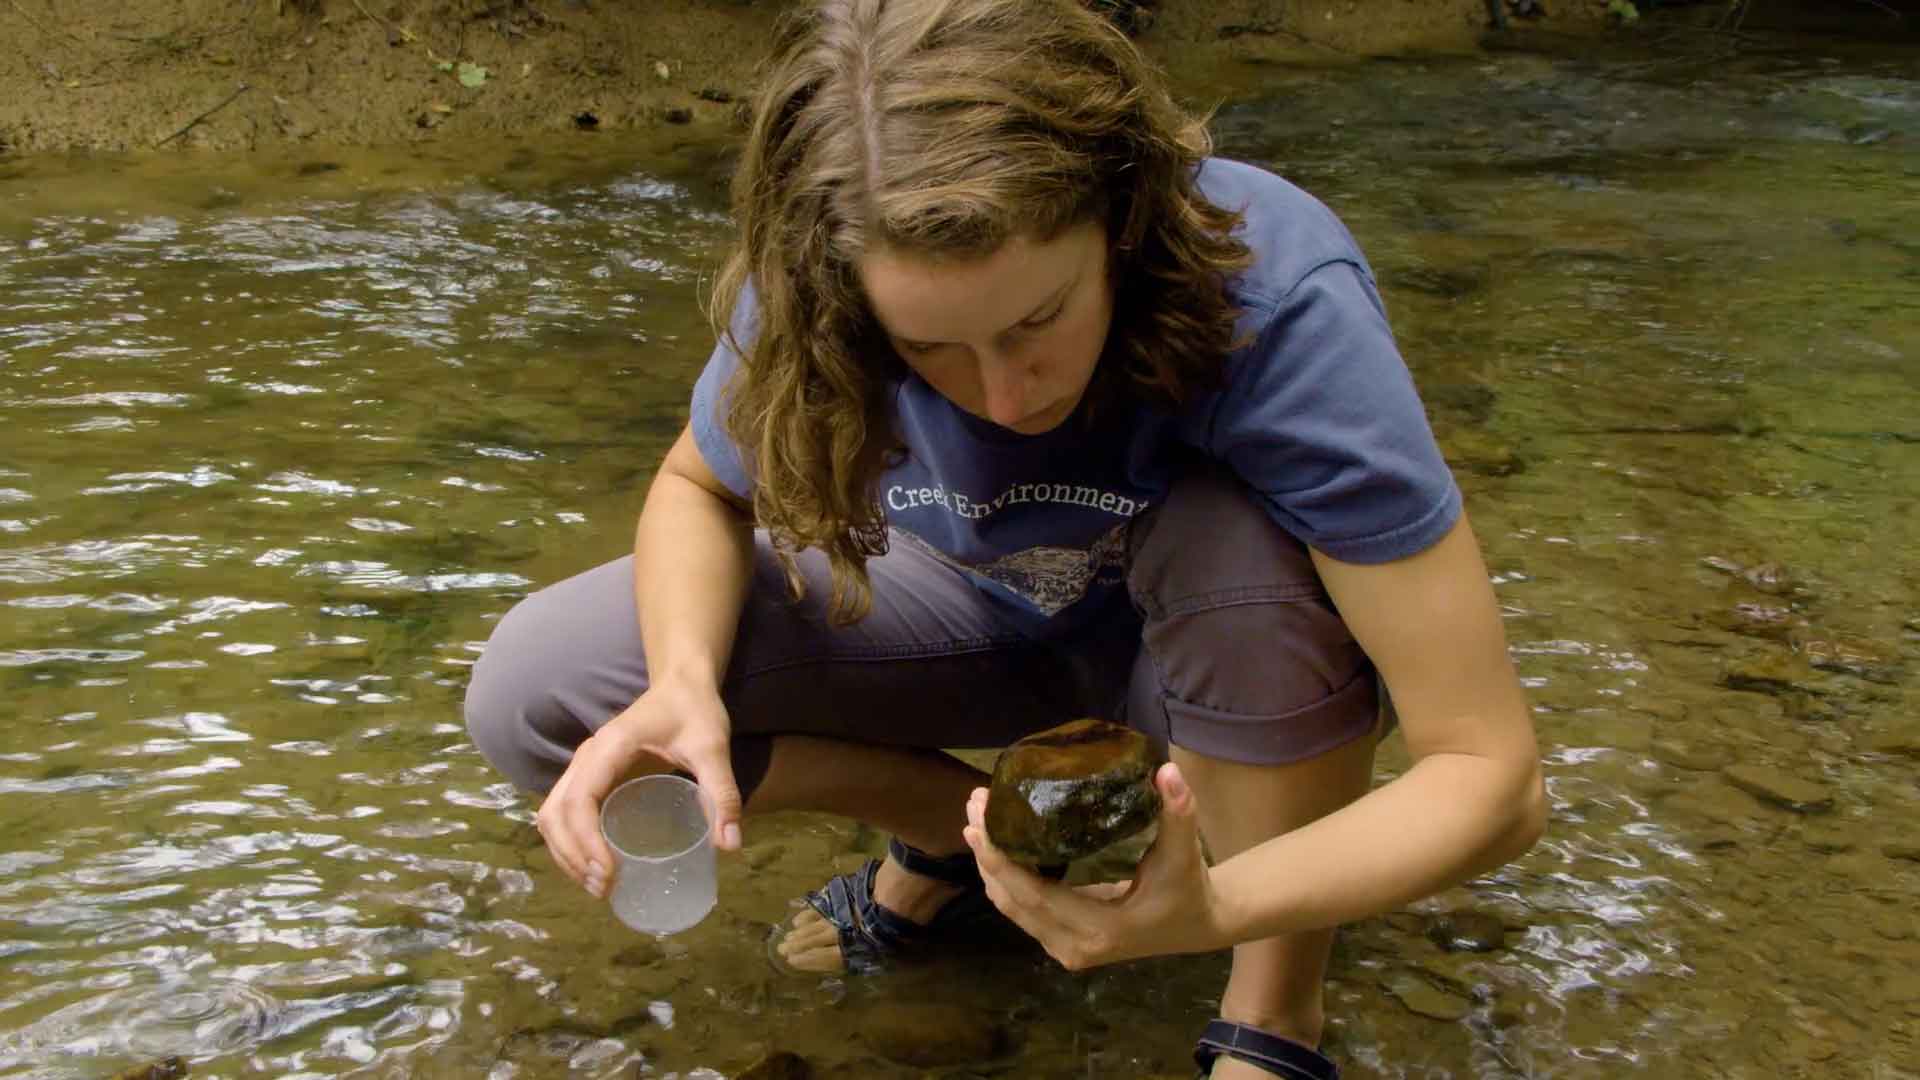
(1012, 337)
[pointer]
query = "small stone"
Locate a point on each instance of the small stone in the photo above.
(1897, 849)
(1774, 673)
(1407, 922)
(1481, 453)
(679, 114)
(1895, 927)
(1422, 999)
(778, 1065)
(1897, 743)
(166, 1069)
(1716, 804)
(716, 95)
(1467, 931)
(931, 1035)
(1770, 622)
(1851, 655)
(1779, 787)
(1695, 757)
(1627, 731)
(1070, 791)
(1828, 839)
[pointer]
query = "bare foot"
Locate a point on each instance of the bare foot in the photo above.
(813, 944)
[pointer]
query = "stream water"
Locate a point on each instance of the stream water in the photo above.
(281, 436)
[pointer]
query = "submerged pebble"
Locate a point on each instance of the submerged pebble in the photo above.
(1467, 931)
(1422, 998)
(1779, 787)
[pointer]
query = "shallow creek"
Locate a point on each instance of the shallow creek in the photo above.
(280, 437)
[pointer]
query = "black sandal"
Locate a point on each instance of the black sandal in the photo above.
(1281, 1057)
(871, 935)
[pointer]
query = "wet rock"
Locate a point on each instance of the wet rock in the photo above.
(1715, 803)
(1630, 732)
(1070, 791)
(166, 1069)
(1447, 282)
(1851, 655)
(930, 1035)
(1422, 998)
(1811, 708)
(1407, 922)
(1779, 787)
(1772, 673)
(1895, 926)
(1692, 756)
(1471, 402)
(1467, 931)
(778, 1065)
(1828, 839)
(1769, 622)
(1477, 452)
(1897, 743)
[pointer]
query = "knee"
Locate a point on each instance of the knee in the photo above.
(1211, 536)
(512, 702)
(1244, 655)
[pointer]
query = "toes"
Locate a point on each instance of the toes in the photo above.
(817, 958)
(811, 943)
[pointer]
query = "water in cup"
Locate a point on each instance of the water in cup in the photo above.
(662, 838)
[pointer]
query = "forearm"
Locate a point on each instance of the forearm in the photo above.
(692, 560)
(1449, 818)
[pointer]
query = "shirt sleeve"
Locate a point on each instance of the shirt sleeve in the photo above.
(711, 400)
(1320, 416)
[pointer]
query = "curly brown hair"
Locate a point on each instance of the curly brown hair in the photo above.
(947, 127)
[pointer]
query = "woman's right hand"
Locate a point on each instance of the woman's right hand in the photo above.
(682, 728)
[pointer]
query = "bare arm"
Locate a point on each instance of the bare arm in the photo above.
(1474, 798)
(692, 557)
(692, 560)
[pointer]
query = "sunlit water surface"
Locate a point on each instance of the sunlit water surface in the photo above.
(280, 439)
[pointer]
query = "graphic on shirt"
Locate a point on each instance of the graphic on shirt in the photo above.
(907, 497)
(1048, 578)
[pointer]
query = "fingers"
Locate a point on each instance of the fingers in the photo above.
(569, 817)
(1042, 908)
(1178, 840)
(712, 767)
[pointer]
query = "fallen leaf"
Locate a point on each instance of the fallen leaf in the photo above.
(472, 75)
(440, 107)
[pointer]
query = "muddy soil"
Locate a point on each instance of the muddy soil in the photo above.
(249, 74)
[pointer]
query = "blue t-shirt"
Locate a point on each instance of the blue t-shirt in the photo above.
(1317, 414)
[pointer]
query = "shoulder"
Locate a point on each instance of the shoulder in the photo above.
(1289, 232)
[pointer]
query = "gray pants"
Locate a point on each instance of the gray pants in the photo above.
(1230, 649)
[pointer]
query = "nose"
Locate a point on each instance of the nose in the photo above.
(1006, 388)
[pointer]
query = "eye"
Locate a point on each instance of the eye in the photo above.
(1039, 321)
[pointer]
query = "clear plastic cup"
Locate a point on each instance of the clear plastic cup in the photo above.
(660, 829)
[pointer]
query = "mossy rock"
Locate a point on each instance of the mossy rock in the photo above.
(1070, 791)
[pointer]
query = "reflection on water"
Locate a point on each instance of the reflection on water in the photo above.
(276, 449)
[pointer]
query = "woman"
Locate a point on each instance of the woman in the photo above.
(1026, 409)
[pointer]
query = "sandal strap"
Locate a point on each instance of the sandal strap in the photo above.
(868, 932)
(958, 870)
(1281, 1057)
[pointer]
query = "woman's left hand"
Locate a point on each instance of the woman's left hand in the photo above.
(1169, 906)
